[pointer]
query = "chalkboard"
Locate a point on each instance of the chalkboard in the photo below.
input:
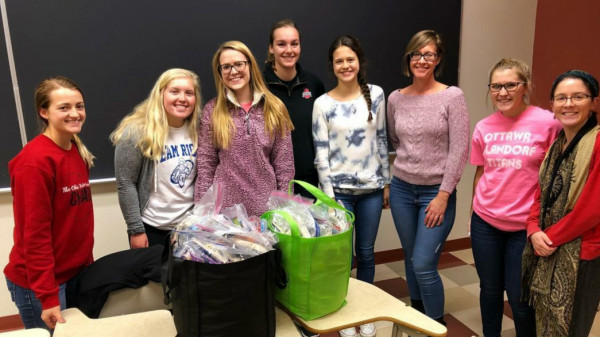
(116, 49)
(10, 136)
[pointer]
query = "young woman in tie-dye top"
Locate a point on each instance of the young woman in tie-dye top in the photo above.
(351, 152)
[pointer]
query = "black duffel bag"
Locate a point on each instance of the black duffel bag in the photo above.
(223, 300)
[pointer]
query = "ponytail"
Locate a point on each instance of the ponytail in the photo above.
(85, 154)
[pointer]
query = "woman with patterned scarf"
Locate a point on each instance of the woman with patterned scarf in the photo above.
(561, 264)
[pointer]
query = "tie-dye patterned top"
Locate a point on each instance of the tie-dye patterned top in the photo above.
(351, 154)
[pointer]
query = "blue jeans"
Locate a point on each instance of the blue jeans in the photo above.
(497, 257)
(30, 308)
(367, 213)
(422, 246)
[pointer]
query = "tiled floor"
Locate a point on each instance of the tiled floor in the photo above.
(462, 296)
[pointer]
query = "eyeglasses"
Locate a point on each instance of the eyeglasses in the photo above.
(429, 57)
(575, 99)
(239, 66)
(509, 86)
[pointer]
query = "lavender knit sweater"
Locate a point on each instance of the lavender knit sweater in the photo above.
(254, 164)
(430, 134)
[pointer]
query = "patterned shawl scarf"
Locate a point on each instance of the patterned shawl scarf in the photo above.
(549, 282)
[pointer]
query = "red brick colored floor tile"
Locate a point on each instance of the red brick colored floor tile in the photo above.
(396, 287)
(456, 328)
(448, 260)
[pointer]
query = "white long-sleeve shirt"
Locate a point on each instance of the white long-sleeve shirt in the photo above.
(351, 154)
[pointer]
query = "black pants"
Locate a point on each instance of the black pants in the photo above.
(587, 297)
(155, 236)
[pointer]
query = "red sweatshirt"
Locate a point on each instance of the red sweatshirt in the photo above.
(582, 221)
(54, 219)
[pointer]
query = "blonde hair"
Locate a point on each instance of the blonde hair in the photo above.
(521, 69)
(148, 121)
(277, 119)
(420, 40)
(42, 101)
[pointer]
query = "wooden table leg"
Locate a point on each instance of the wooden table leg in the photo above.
(398, 330)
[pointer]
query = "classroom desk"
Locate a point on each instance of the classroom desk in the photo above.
(285, 326)
(150, 296)
(157, 323)
(367, 303)
(130, 301)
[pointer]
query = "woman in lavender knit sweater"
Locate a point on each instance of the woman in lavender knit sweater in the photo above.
(429, 130)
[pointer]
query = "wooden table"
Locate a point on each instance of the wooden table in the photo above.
(367, 303)
(285, 326)
(157, 323)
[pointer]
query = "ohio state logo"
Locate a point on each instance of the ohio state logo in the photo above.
(306, 93)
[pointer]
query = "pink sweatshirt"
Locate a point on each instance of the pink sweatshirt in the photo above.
(511, 150)
(430, 134)
(254, 164)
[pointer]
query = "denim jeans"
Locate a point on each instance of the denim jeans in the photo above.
(422, 246)
(30, 308)
(367, 214)
(497, 257)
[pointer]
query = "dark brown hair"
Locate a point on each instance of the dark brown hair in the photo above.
(352, 43)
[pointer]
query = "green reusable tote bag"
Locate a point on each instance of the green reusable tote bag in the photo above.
(318, 269)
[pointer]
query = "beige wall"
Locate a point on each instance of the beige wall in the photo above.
(491, 29)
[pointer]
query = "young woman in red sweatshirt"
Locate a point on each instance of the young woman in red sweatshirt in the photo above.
(52, 204)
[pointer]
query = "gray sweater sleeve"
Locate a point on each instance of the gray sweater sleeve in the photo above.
(128, 164)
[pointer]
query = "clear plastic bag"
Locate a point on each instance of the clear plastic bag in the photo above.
(280, 199)
(331, 220)
(208, 237)
(313, 220)
(211, 202)
(306, 223)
